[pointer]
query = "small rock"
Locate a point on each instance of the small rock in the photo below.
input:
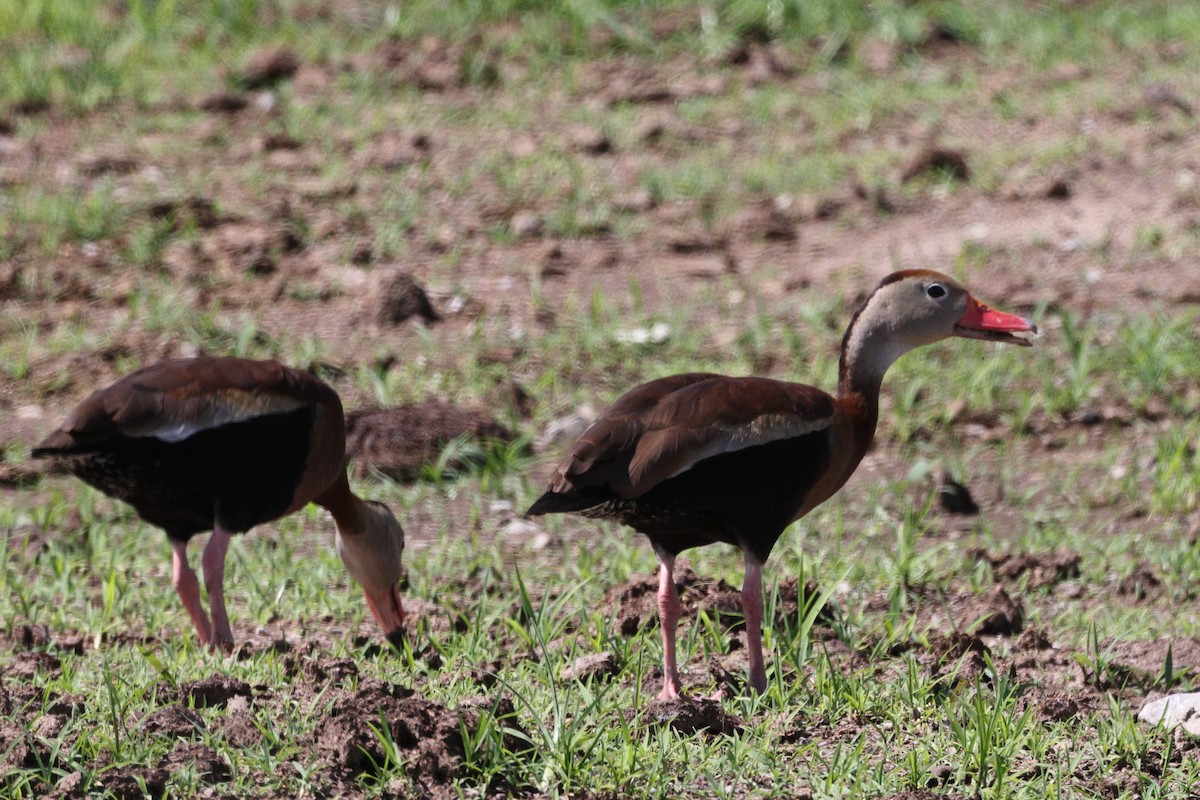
(657, 333)
(1174, 711)
(525, 223)
(519, 529)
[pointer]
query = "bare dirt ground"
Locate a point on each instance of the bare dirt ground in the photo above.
(1069, 241)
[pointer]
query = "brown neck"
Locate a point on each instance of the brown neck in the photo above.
(344, 504)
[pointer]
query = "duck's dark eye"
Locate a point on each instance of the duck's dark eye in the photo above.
(936, 291)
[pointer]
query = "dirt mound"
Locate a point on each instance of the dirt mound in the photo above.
(1043, 569)
(176, 722)
(1145, 664)
(400, 441)
(1141, 584)
(32, 725)
(381, 723)
(134, 783)
(993, 613)
(213, 692)
(690, 715)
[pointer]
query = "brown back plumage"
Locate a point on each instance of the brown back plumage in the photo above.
(662, 428)
(173, 396)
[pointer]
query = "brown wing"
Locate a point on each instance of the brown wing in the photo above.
(173, 399)
(663, 428)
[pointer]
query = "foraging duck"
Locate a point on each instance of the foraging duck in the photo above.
(691, 460)
(224, 444)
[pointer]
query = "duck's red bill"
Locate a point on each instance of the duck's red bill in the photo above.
(983, 322)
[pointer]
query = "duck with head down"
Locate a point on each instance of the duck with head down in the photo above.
(691, 460)
(224, 444)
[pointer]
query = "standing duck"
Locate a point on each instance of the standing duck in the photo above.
(691, 460)
(224, 444)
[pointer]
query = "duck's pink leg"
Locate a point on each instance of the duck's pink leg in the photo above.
(213, 562)
(668, 620)
(188, 589)
(752, 610)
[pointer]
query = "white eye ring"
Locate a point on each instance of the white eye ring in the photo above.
(936, 291)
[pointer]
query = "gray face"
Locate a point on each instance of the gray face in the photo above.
(373, 555)
(917, 310)
(926, 307)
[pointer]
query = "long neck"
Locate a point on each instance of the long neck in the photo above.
(868, 350)
(344, 504)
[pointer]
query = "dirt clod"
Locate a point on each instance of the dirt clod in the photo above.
(1145, 664)
(954, 497)
(269, 66)
(995, 612)
(174, 721)
(1059, 707)
(402, 298)
(126, 783)
(1043, 569)
(207, 763)
(399, 441)
(938, 161)
(427, 734)
(213, 692)
(200, 212)
(957, 654)
(1139, 584)
(223, 102)
(693, 715)
(600, 665)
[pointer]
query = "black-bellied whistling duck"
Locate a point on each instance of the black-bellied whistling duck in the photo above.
(224, 444)
(695, 459)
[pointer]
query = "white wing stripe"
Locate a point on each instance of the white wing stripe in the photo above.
(214, 416)
(762, 430)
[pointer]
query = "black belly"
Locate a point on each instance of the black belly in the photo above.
(237, 475)
(745, 498)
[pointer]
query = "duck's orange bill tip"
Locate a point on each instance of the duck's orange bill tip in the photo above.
(983, 318)
(395, 637)
(387, 609)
